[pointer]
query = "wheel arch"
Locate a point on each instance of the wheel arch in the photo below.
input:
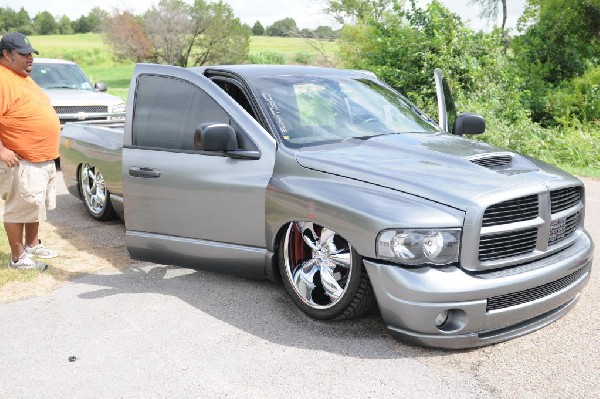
(356, 210)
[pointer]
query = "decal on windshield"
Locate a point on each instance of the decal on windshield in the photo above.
(274, 109)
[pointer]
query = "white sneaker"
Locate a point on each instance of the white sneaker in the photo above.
(25, 262)
(40, 251)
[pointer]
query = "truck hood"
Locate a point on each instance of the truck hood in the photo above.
(446, 169)
(69, 97)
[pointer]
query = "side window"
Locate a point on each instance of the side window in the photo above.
(168, 110)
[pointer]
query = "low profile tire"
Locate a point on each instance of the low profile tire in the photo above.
(94, 193)
(323, 274)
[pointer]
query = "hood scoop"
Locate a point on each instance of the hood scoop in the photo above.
(493, 161)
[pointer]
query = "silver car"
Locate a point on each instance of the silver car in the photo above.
(72, 94)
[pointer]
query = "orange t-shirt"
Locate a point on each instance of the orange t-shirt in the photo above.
(29, 124)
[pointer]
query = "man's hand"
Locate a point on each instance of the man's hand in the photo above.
(9, 157)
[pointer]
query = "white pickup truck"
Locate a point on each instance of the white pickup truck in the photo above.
(72, 94)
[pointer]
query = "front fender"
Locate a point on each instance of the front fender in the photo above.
(356, 210)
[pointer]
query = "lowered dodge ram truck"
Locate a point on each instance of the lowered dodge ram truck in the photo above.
(334, 184)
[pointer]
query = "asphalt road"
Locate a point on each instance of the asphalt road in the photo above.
(155, 331)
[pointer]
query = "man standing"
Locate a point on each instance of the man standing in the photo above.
(29, 140)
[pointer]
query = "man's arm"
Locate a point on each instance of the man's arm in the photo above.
(9, 157)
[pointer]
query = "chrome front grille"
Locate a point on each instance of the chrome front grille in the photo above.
(561, 229)
(565, 198)
(497, 246)
(515, 210)
(77, 108)
(518, 298)
(526, 227)
(78, 113)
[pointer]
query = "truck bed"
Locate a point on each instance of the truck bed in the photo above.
(97, 142)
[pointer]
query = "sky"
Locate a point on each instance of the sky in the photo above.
(306, 13)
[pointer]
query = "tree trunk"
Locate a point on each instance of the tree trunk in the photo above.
(505, 41)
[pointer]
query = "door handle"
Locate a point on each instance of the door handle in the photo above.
(143, 172)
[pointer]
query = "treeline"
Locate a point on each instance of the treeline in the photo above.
(44, 23)
(287, 27)
(172, 32)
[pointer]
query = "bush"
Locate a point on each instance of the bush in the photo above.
(267, 57)
(577, 99)
(85, 57)
(303, 58)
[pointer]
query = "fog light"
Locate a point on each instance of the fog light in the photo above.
(441, 319)
(450, 320)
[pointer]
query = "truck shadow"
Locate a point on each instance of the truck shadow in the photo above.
(257, 307)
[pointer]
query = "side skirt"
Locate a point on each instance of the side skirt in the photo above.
(199, 254)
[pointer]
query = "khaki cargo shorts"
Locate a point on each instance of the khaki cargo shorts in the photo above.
(28, 191)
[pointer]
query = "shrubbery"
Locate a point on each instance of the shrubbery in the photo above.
(525, 111)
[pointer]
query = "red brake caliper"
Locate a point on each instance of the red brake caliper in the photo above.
(297, 250)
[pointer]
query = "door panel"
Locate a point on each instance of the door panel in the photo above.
(175, 192)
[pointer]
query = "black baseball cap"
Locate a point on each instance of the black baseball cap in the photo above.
(18, 42)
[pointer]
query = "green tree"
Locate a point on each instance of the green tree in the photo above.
(45, 24)
(405, 44)
(490, 10)
(81, 25)
(258, 29)
(220, 37)
(559, 41)
(7, 18)
(324, 32)
(23, 22)
(95, 19)
(284, 27)
(560, 35)
(357, 11)
(205, 32)
(65, 25)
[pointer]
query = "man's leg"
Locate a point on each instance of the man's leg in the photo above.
(31, 234)
(14, 232)
(33, 245)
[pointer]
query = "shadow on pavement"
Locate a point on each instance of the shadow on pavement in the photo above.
(257, 307)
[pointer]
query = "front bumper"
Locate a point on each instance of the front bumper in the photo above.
(483, 308)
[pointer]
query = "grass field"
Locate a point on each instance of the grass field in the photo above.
(94, 56)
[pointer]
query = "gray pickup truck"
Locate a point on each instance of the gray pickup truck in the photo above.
(333, 183)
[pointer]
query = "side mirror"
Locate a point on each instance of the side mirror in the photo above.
(215, 137)
(101, 86)
(469, 124)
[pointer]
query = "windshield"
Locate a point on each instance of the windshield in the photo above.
(60, 76)
(309, 110)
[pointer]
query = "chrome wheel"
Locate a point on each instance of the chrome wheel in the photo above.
(318, 264)
(94, 193)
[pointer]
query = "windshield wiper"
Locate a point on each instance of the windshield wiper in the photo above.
(370, 137)
(58, 87)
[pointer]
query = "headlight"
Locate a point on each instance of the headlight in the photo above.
(419, 246)
(118, 109)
